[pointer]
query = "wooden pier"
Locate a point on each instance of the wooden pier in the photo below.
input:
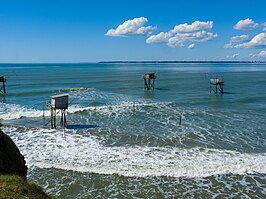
(149, 80)
(217, 85)
(3, 88)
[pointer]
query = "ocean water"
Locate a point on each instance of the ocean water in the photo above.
(125, 142)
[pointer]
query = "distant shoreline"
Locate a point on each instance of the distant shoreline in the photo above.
(135, 62)
(174, 62)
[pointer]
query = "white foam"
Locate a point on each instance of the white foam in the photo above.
(76, 89)
(71, 151)
(14, 111)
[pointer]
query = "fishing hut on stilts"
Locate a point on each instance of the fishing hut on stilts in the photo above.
(149, 80)
(58, 102)
(217, 85)
(3, 88)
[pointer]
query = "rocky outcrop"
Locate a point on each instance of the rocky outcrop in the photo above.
(11, 161)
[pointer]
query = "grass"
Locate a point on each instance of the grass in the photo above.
(15, 187)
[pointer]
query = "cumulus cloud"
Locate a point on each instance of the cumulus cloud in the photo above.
(239, 38)
(264, 26)
(196, 32)
(246, 24)
(236, 39)
(258, 41)
(191, 46)
(230, 45)
(132, 27)
(194, 27)
(233, 56)
(262, 54)
(162, 37)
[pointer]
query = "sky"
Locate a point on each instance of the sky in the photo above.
(49, 31)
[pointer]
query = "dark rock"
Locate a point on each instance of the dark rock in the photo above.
(11, 161)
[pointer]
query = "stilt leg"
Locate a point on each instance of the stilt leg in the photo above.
(4, 87)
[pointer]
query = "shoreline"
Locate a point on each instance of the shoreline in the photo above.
(137, 62)
(178, 62)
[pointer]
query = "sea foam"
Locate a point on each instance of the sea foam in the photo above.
(84, 153)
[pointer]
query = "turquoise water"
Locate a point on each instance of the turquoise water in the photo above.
(125, 142)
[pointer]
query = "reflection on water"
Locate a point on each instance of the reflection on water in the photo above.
(148, 94)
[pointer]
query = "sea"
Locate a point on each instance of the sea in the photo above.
(177, 140)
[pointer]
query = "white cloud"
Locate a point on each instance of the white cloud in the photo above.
(228, 45)
(264, 26)
(200, 36)
(253, 55)
(159, 38)
(236, 39)
(262, 54)
(191, 46)
(196, 32)
(246, 24)
(132, 27)
(233, 56)
(176, 41)
(259, 41)
(194, 27)
(239, 38)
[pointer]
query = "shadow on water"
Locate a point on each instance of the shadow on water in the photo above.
(3, 98)
(228, 93)
(216, 98)
(82, 126)
(148, 94)
(162, 89)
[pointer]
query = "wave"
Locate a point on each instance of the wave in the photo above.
(40, 92)
(72, 151)
(15, 111)
(151, 124)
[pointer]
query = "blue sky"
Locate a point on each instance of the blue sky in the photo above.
(77, 30)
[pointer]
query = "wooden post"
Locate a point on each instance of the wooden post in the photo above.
(149, 80)
(53, 118)
(63, 118)
(134, 107)
(4, 86)
(3, 80)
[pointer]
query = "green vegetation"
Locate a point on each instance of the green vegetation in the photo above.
(15, 187)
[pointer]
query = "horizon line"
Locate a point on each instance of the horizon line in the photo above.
(186, 61)
(147, 61)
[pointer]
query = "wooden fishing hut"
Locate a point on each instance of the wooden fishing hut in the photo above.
(217, 85)
(149, 80)
(58, 102)
(3, 81)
